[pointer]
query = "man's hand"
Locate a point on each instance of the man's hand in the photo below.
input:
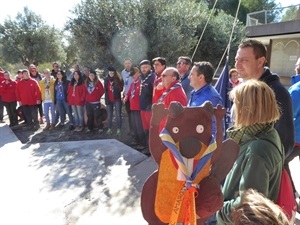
(38, 102)
(159, 86)
(125, 99)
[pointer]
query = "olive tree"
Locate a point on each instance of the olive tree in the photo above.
(28, 40)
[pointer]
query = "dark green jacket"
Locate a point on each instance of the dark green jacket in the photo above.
(258, 166)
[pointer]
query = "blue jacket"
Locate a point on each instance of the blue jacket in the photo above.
(295, 79)
(294, 91)
(206, 93)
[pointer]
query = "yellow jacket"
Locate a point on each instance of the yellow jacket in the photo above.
(43, 86)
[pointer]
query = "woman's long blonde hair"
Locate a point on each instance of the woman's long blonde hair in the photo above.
(254, 103)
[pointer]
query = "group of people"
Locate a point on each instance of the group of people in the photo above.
(53, 96)
(262, 109)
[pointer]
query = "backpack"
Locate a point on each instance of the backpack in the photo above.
(286, 199)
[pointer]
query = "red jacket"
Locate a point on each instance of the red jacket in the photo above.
(133, 95)
(96, 94)
(8, 91)
(176, 94)
(156, 93)
(76, 94)
(1, 78)
(28, 92)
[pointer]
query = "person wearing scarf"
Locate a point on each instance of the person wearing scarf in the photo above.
(260, 161)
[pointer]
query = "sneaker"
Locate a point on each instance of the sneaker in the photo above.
(109, 132)
(100, 131)
(118, 133)
(88, 131)
(80, 128)
(61, 124)
(140, 147)
(47, 127)
(51, 127)
(133, 143)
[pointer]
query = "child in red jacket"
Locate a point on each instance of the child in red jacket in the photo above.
(76, 99)
(93, 96)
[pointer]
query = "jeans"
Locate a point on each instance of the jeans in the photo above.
(49, 106)
(78, 114)
(110, 110)
(93, 112)
(63, 107)
(137, 126)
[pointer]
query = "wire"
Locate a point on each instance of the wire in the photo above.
(212, 11)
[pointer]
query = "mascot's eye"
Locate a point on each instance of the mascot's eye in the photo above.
(199, 129)
(175, 130)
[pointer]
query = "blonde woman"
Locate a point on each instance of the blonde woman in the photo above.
(47, 89)
(260, 161)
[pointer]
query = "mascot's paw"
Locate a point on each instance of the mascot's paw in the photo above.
(210, 198)
(147, 200)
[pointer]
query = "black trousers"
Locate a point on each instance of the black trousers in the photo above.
(11, 108)
(94, 113)
(40, 107)
(30, 114)
(1, 108)
(128, 111)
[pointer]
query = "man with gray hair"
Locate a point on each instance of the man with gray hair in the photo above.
(184, 64)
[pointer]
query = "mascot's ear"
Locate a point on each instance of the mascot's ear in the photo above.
(219, 112)
(208, 106)
(175, 109)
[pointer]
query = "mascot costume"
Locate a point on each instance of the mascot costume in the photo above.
(192, 163)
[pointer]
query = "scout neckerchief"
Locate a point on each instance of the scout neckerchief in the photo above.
(165, 93)
(74, 88)
(134, 87)
(143, 81)
(91, 87)
(189, 189)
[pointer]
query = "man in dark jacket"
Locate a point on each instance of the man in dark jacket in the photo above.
(250, 63)
(146, 91)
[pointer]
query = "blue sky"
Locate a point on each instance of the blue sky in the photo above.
(55, 12)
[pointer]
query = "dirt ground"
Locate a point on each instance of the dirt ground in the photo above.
(61, 134)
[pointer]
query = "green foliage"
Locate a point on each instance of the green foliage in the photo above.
(216, 38)
(28, 40)
(247, 6)
(107, 31)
